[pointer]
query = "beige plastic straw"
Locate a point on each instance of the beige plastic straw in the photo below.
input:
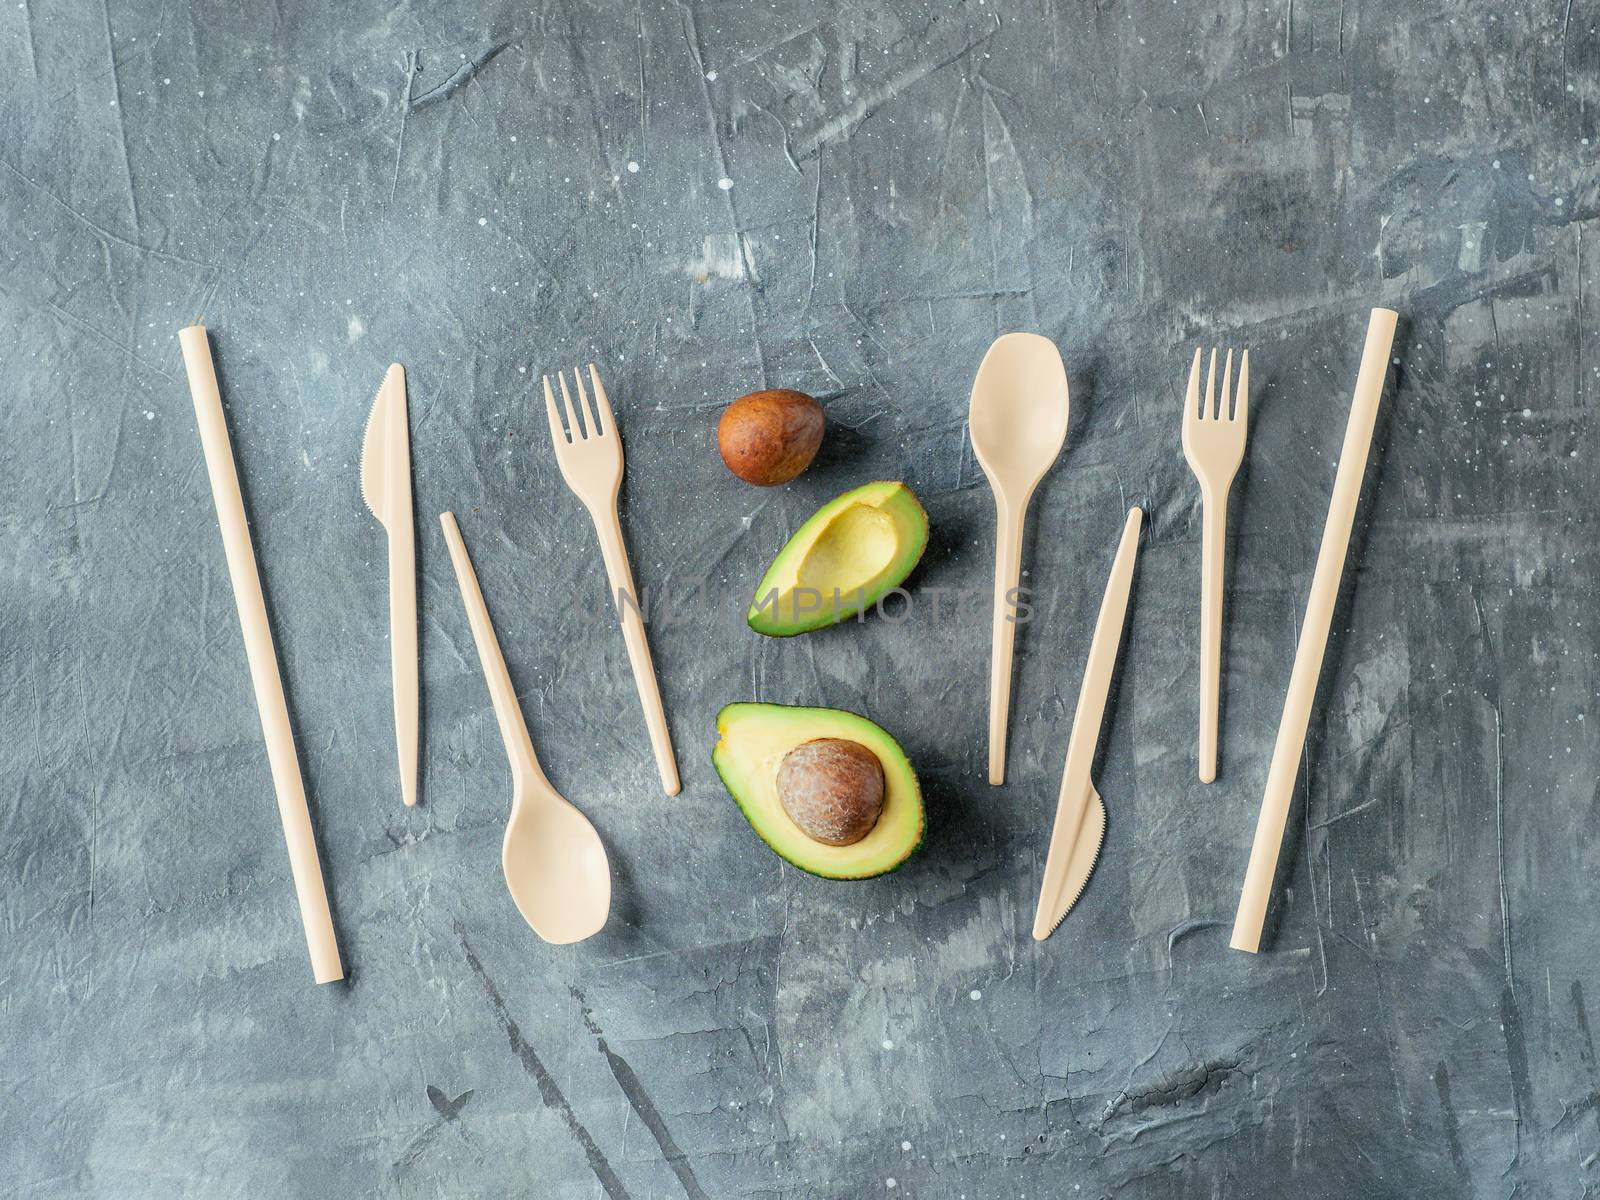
(292, 810)
(1292, 728)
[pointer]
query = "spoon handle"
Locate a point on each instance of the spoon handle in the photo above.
(1007, 574)
(513, 729)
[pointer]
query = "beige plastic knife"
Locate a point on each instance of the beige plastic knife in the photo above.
(1080, 813)
(386, 487)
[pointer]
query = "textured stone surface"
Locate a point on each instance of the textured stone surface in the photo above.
(487, 191)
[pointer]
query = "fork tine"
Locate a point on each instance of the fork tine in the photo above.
(602, 401)
(579, 433)
(1211, 388)
(1191, 399)
(556, 432)
(1241, 404)
(590, 419)
(1227, 382)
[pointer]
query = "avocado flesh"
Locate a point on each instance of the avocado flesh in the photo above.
(852, 551)
(752, 742)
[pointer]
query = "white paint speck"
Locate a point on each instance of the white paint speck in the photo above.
(633, 168)
(906, 1146)
(725, 183)
(887, 1044)
(720, 258)
(483, 220)
(975, 994)
(148, 415)
(890, 1183)
(712, 76)
(277, 137)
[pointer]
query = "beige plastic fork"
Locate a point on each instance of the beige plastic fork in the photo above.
(1213, 442)
(591, 463)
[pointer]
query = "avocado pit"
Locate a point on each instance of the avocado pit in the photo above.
(832, 788)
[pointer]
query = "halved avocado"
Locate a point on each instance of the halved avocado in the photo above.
(853, 550)
(753, 740)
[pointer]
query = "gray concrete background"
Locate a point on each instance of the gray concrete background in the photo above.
(454, 186)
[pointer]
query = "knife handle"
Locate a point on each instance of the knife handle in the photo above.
(403, 654)
(1095, 690)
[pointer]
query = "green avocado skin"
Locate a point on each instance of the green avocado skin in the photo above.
(894, 763)
(911, 522)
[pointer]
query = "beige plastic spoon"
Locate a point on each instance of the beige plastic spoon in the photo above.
(554, 862)
(1018, 421)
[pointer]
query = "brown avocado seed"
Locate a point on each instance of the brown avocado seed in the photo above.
(832, 789)
(769, 437)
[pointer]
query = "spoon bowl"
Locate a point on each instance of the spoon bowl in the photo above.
(1018, 413)
(556, 868)
(1017, 419)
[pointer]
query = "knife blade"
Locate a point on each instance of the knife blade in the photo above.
(386, 488)
(1080, 813)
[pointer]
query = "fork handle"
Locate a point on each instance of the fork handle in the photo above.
(1213, 547)
(608, 528)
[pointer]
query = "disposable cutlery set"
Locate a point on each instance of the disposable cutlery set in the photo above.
(554, 862)
(1017, 419)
